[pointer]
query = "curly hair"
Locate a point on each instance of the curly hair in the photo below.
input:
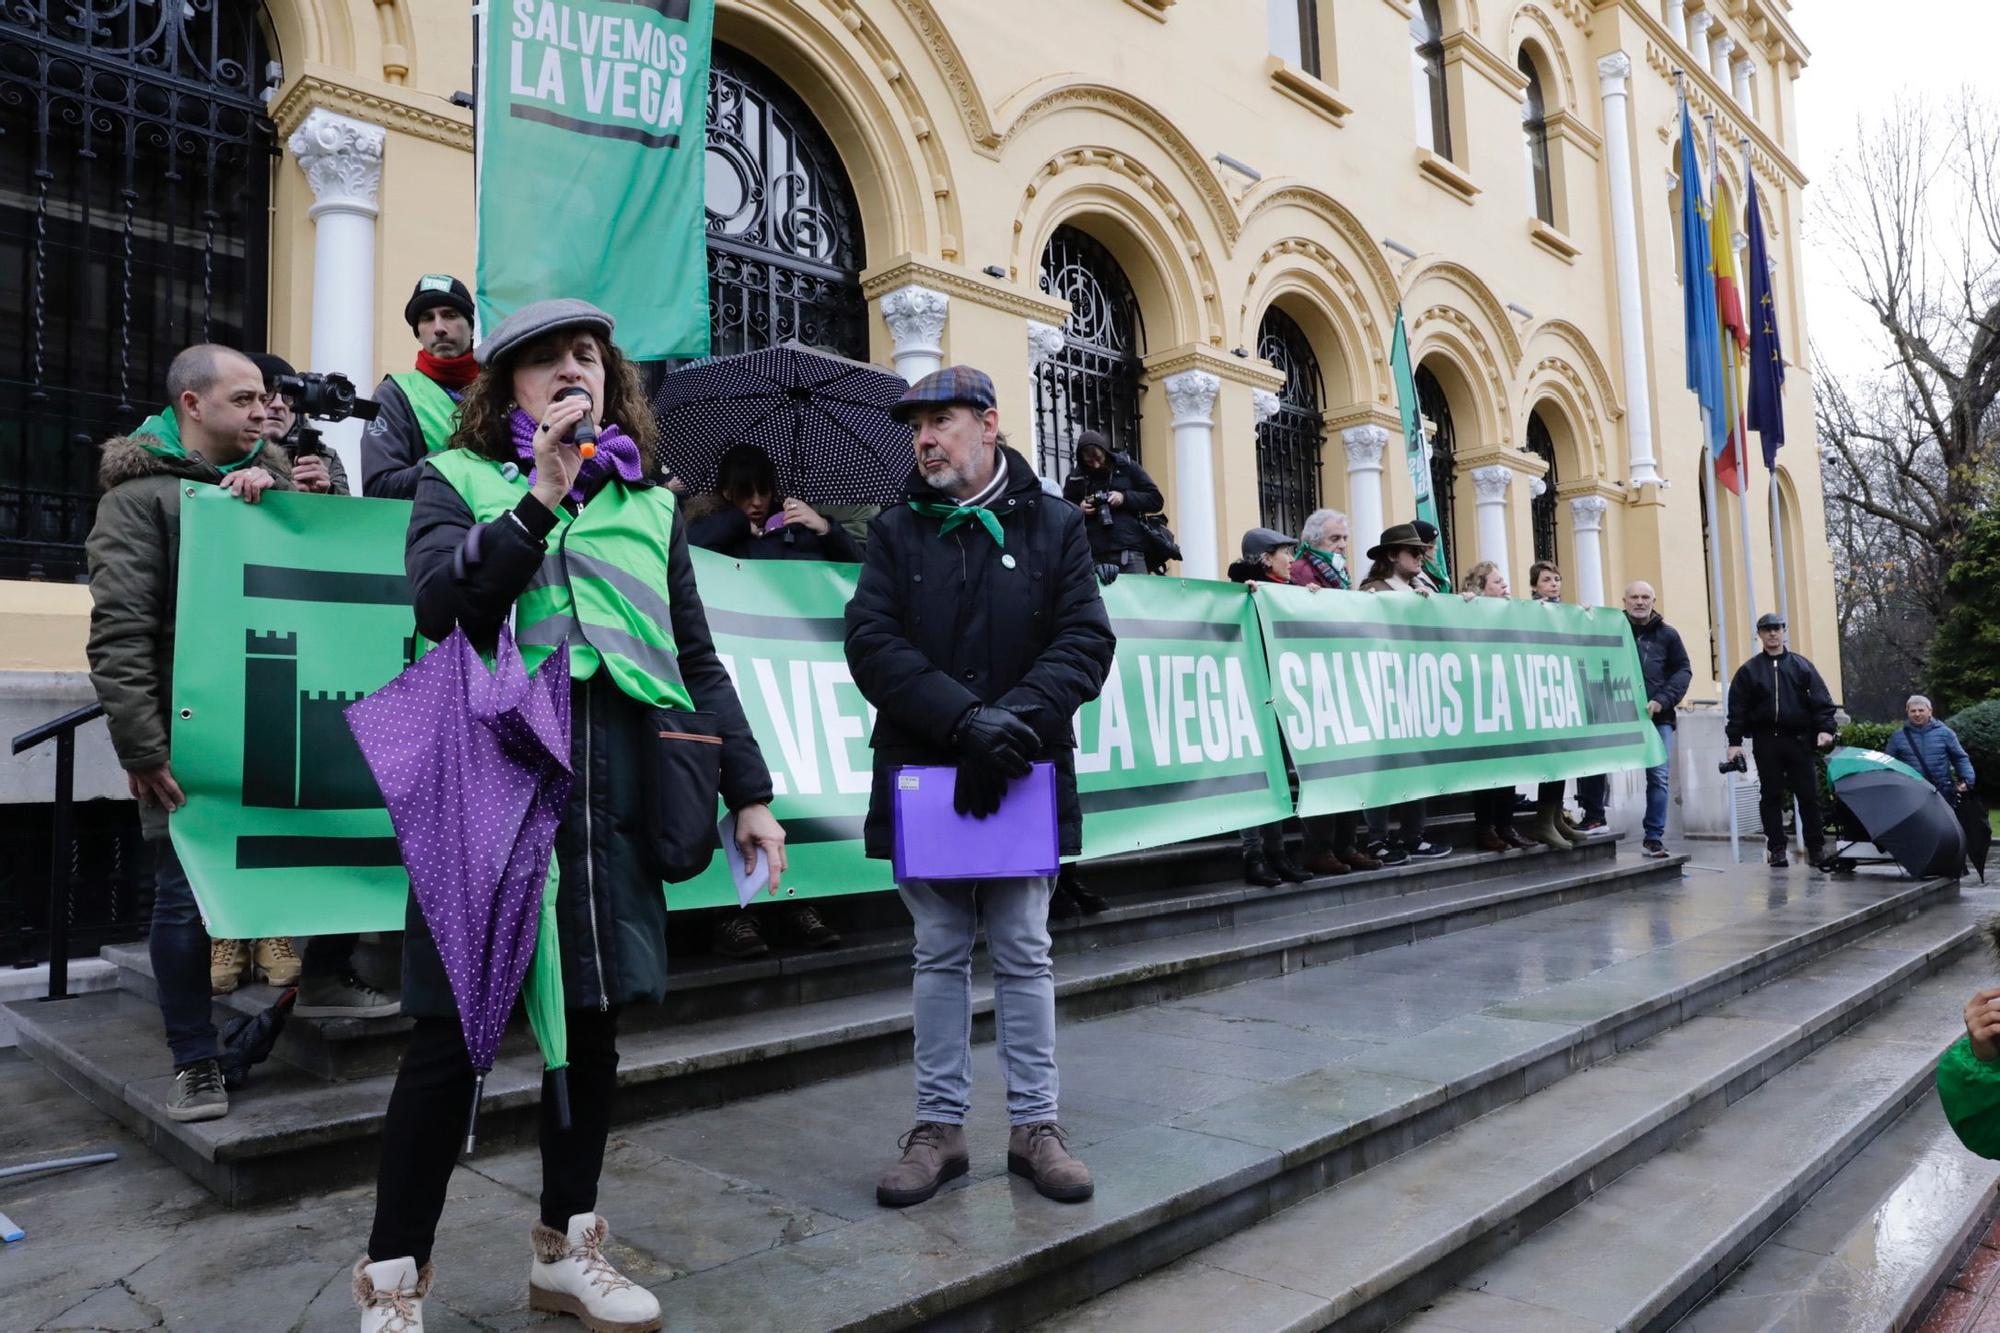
(483, 413)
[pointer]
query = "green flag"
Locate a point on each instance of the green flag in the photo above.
(591, 132)
(1417, 449)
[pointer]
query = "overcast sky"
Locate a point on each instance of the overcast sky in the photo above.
(1863, 55)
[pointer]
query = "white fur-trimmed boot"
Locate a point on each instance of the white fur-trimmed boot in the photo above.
(571, 1276)
(391, 1295)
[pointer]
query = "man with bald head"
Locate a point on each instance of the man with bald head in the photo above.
(1663, 660)
(211, 433)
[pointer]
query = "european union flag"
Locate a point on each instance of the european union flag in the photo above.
(1704, 339)
(1767, 352)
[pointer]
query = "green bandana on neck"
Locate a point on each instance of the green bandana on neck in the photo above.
(957, 515)
(163, 429)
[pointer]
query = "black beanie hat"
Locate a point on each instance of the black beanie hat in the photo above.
(435, 289)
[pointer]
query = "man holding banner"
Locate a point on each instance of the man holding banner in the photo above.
(977, 631)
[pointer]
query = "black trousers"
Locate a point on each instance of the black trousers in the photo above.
(1785, 769)
(1494, 808)
(426, 1129)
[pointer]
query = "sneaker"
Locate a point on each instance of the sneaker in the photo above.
(1776, 860)
(1593, 826)
(198, 1093)
(276, 961)
(1653, 848)
(1041, 1153)
(391, 1294)
(1388, 853)
(737, 937)
(227, 960)
(571, 1276)
(344, 996)
(933, 1153)
(810, 928)
(1425, 850)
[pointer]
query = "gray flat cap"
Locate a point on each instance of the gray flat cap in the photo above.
(1257, 541)
(532, 321)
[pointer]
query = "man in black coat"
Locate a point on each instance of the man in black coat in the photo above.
(1779, 700)
(1664, 667)
(977, 631)
(1115, 495)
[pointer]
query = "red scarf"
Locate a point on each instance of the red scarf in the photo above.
(454, 372)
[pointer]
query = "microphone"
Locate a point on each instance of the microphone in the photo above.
(585, 433)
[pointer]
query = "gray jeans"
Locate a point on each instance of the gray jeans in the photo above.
(1015, 912)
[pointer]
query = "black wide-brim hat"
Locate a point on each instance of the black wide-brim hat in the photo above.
(1402, 535)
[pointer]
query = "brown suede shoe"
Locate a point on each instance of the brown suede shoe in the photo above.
(1041, 1153)
(1326, 863)
(1491, 841)
(1359, 860)
(932, 1154)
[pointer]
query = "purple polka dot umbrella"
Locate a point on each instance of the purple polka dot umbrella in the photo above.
(474, 767)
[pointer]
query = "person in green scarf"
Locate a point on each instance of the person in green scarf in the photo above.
(1968, 1077)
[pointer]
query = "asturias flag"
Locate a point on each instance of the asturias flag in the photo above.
(1735, 338)
(1704, 339)
(1416, 449)
(1767, 352)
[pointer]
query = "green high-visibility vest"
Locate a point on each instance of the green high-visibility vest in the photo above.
(436, 413)
(602, 586)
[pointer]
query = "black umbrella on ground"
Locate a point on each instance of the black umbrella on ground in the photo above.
(1903, 813)
(1972, 818)
(247, 1039)
(823, 420)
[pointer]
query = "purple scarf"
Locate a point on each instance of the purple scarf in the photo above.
(617, 453)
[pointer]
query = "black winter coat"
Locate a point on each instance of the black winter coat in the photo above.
(610, 907)
(1782, 694)
(1663, 664)
(941, 623)
(392, 446)
(1124, 532)
(727, 532)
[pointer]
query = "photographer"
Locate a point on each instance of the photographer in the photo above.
(419, 407)
(1779, 700)
(1115, 494)
(319, 472)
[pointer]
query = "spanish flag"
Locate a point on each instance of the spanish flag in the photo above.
(1735, 335)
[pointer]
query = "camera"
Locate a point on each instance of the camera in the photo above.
(330, 397)
(1101, 501)
(1737, 765)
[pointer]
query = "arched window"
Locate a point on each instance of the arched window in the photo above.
(784, 233)
(1093, 382)
(134, 218)
(1542, 509)
(1436, 408)
(1288, 445)
(1535, 131)
(1427, 73)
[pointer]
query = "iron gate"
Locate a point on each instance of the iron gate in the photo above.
(1288, 445)
(1542, 510)
(1093, 382)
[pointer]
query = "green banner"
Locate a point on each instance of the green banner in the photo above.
(590, 128)
(1391, 697)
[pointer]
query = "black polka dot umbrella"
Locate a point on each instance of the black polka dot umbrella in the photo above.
(822, 419)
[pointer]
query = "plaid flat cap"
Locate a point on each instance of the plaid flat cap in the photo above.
(945, 388)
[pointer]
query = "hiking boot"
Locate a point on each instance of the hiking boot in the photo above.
(344, 996)
(1514, 839)
(1326, 863)
(1090, 904)
(1258, 871)
(227, 960)
(1547, 830)
(809, 927)
(1489, 840)
(1425, 850)
(391, 1294)
(1776, 860)
(571, 1276)
(1291, 871)
(277, 961)
(198, 1093)
(1358, 860)
(1654, 849)
(932, 1154)
(737, 937)
(1041, 1153)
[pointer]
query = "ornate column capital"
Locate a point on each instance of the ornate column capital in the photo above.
(1364, 445)
(1613, 72)
(1263, 406)
(1191, 396)
(1700, 22)
(342, 159)
(1537, 488)
(1490, 483)
(1743, 71)
(1586, 513)
(915, 316)
(1044, 341)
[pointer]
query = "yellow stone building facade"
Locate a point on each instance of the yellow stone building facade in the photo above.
(1328, 160)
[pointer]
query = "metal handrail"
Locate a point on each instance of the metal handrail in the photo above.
(62, 731)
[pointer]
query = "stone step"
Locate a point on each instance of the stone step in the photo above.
(1156, 894)
(1183, 1159)
(1381, 1243)
(1873, 1247)
(1659, 1238)
(293, 1131)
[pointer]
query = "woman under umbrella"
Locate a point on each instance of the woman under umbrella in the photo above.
(514, 520)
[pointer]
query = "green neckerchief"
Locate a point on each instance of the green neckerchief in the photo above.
(165, 428)
(956, 515)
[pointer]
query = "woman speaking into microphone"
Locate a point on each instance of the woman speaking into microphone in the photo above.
(513, 520)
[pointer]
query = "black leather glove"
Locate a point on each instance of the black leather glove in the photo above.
(978, 790)
(997, 739)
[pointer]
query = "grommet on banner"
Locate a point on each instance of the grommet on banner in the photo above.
(509, 471)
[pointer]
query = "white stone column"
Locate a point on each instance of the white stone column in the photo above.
(1719, 52)
(1364, 445)
(1191, 396)
(1674, 14)
(342, 160)
(1044, 341)
(1744, 71)
(1614, 73)
(1699, 23)
(915, 316)
(1586, 519)
(1489, 512)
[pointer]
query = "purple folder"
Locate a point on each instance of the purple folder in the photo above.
(934, 841)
